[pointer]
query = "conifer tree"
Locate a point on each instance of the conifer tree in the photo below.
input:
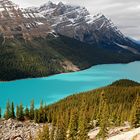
(26, 112)
(67, 118)
(104, 123)
(20, 112)
(7, 114)
(41, 113)
(82, 123)
(73, 126)
(32, 110)
(101, 104)
(36, 116)
(135, 113)
(61, 130)
(12, 111)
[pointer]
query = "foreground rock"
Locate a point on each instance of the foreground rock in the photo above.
(15, 130)
(118, 133)
(133, 134)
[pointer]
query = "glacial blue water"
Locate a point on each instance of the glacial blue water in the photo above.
(53, 88)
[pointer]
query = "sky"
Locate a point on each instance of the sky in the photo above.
(124, 13)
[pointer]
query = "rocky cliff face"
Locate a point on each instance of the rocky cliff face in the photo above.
(21, 23)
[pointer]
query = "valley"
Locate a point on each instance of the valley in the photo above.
(31, 46)
(53, 88)
(66, 74)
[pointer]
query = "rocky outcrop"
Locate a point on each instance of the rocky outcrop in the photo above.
(15, 130)
(118, 133)
(69, 66)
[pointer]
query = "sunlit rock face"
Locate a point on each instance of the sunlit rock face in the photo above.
(20, 23)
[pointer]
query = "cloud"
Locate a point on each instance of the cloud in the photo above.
(124, 13)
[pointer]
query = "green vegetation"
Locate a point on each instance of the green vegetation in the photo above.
(125, 83)
(73, 117)
(104, 114)
(43, 57)
(135, 113)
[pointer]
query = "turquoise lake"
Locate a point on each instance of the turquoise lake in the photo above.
(51, 89)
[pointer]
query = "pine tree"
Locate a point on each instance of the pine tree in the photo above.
(32, 110)
(61, 130)
(7, 114)
(42, 115)
(26, 112)
(73, 126)
(82, 124)
(12, 111)
(36, 116)
(135, 113)
(20, 112)
(101, 104)
(104, 123)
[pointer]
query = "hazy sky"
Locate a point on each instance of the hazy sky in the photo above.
(124, 13)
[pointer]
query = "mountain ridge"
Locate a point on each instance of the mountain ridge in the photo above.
(76, 22)
(30, 47)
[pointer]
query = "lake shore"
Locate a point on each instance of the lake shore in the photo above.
(53, 88)
(75, 70)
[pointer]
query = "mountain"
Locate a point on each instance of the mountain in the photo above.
(32, 46)
(76, 22)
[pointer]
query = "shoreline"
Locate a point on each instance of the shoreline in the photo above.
(32, 78)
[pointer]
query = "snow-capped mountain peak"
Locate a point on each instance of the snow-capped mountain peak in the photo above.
(76, 22)
(68, 20)
(73, 20)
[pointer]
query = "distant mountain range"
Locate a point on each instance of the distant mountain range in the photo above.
(55, 38)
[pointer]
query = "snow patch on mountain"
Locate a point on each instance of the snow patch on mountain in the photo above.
(128, 48)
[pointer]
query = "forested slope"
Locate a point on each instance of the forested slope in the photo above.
(46, 56)
(73, 117)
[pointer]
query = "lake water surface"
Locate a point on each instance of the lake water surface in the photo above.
(51, 89)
